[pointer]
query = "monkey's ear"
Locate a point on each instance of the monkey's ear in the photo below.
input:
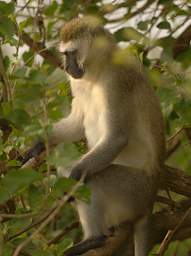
(34, 151)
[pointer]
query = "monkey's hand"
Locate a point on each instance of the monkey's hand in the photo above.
(34, 151)
(77, 173)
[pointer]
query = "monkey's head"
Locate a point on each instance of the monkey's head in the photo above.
(83, 43)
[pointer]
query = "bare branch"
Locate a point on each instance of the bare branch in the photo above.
(171, 233)
(161, 222)
(140, 10)
(63, 233)
(37, 47)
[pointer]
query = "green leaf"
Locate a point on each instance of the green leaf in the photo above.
(64, 155)
(63, 185)
(182, 12)
(8, 249)
(164, 2)
(166, 44)
(185, 58)
(36, 76)
(25, 23)
(7, 27)
(183, 109)
(16, 180)
(143, 25)
(63, 246)
(83, 193)
(35, 197)
(128, 33)
(28, 58)
(19, 117)
(40, 251)
(29, 91)
(2, 147)
(18, 224)
(13, 163)
(20, 72)
(164, 25)
(6, 62)
(50, 10)
(6, 8)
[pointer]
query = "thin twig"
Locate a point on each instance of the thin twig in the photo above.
(140, 10)
(17, 216)
(63, 233)
(59, 205)
(175, 140)
(39, 48)
(34, 224)
(46, 139)
(24, 6)
(171, 233)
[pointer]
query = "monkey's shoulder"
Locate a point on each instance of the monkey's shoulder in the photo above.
(130, 74)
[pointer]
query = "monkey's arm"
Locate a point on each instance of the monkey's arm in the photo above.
(109, 145)
(105, 151)
(69, 129)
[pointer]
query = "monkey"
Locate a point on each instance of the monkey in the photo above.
(118, 113)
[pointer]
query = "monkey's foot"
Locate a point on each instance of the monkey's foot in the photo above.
(86, 245)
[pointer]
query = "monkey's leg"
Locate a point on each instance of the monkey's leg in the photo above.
(118, 194)
(139, 234)
(92, 217)
(141, 237)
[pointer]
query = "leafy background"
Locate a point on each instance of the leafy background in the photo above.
(35, 93)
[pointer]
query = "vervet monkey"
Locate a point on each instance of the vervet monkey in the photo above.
(118, 113)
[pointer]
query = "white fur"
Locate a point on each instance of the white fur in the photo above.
(69, 46)
(139, 151)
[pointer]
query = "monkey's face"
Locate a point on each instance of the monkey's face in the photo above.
(74, 58)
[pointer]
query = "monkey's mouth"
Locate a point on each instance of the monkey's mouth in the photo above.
(76, 71)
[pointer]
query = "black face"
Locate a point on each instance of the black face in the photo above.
(71, 64)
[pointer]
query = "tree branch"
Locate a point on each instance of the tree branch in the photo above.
(140, 10)
(39, 48)
(177, 181)
(161, 223)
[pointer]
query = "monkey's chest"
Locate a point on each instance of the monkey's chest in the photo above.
(94, 117)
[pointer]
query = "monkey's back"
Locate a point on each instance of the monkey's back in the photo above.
(146, 144)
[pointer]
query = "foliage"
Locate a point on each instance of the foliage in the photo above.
(35, 94)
